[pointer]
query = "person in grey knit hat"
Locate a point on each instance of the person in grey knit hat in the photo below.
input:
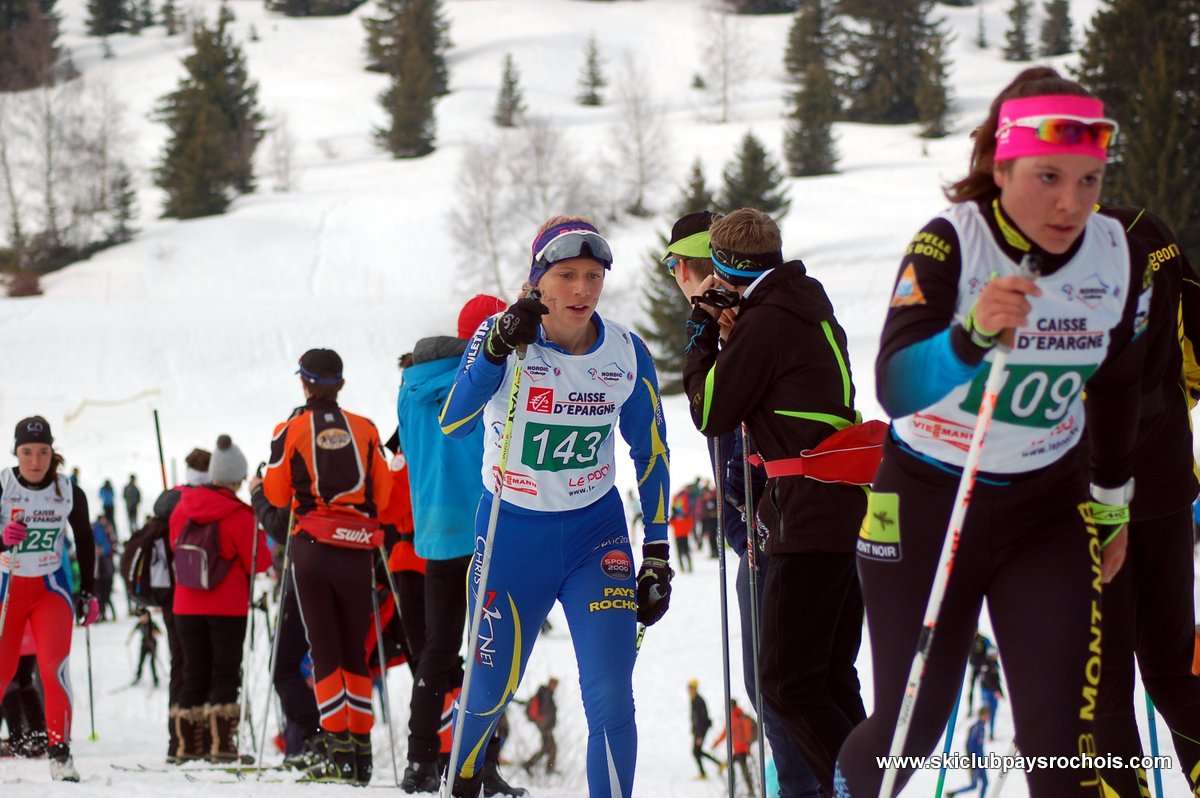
(228, 465)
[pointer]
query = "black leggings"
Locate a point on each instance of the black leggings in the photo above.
(1148, 610)
(295, 696)
(212, 658)
(1024, 548)
(439, 667)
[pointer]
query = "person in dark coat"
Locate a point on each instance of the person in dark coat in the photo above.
(701, 723)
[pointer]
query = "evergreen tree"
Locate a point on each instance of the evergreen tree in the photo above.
(409, 105)
(808, 138)
(933, 95)
(810, 38)
(170, 17)
(313, 8)
(510, 106)
(591, 77)
(400, 23)
(29, 52)
(106, 17)
(763, 6)
(146, 14)
(885, 52)
(124, 206)
(1017, 46)
(1155, 160)
(1056, 28)
(752, 180)
(665, 310)
(215, 126)
(981, 33)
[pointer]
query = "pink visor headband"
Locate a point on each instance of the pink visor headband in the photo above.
(1053, 124)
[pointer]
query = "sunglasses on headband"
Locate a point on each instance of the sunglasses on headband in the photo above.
(1069, 130)
(569, 244)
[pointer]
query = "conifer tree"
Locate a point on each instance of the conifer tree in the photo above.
(215, 126)
(810, 38)
(1056, 28)
(146, 14)
(1016, 39)
(808, 147)
(106, 17)
(591, 77)
(124, 206)
(170, 17)
(409, 105)
(763, 6)
(933, 94)
(313, 8)
(399, 23)
(1154, 162)
(510, 106)
(752, 180)
(665, 310)
(981, 33)
(884, 49)
(29, 51)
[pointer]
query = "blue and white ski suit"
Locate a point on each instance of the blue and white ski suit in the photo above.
(561, 531)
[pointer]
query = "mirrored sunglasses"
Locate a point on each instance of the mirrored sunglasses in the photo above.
(671, 263)
(570, 244)
(1069, 130)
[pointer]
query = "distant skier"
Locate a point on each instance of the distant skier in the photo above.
(147, 646)
(701, 723)
(975, 748)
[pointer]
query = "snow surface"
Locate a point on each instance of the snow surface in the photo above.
(204, 319)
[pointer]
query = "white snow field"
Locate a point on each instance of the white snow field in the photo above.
(204, 320)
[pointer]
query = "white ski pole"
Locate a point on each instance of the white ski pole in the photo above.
(752, 567)
(481, 590)
(719, 476)
(387, 706)
(283, 588)
(945, 565)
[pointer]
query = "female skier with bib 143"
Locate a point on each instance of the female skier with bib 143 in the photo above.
(36, 505)
(1037, 542)
(561, 530)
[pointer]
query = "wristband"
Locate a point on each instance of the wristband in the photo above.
(980, 337)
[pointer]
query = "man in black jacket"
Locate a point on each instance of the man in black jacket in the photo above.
(701, 723)
(784, 370)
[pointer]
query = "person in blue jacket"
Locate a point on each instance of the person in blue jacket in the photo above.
(975, 736)
(561, 531)
(442, 473)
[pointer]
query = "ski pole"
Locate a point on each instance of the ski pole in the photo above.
(998, 784)
(284, 575)
(719, 475)
(1151, 718)
(945, 565)
(247, 713)
(752, 566)
(87, 637)
(949, 740)
(387, 706)
(486, 565)
(10, 572)
(162, 462)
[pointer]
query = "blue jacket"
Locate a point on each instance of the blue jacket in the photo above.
(443, 472)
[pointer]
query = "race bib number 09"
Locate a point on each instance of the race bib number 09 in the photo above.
(1033, 395)
(553, 447)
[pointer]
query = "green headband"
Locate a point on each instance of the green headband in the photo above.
(693, 246)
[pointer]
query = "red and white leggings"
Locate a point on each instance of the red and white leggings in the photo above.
(44, 602)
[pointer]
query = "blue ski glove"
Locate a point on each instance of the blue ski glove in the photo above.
(654, 583)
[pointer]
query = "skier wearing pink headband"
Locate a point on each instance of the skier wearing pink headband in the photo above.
(1037, 541)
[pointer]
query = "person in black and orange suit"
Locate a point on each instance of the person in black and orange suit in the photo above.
(328, 465)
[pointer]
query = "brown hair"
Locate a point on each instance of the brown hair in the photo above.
(746, 230)
(1032, 82)
(326, 392)
(702, 267)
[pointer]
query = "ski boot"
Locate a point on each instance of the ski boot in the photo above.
(336, 762)
(62, 766)
(421, 777)
(495, 785)
(363, 759)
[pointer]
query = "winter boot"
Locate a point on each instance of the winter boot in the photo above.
(337, 759)
(363, 759)
(468, 788)
(494, 783)
(223, 726)
(195, 739)
(421, 777)
(62, 767)
(173, 739)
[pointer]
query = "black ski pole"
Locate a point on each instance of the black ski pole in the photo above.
(719, 474)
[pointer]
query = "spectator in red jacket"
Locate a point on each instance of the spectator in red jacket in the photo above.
(745, 732)
(211, 623)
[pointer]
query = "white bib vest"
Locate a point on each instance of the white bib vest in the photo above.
(1039, 414)
(561, 456)
(45, 514)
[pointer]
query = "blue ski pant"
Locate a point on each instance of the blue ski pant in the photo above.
(581, 558)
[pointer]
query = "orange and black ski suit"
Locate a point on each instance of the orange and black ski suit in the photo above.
(327, 463)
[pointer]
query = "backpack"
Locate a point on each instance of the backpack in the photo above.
(146, 565)
(198, 562)
(533, 710)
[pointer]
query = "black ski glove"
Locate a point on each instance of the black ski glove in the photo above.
(518, 326)
(654, 583)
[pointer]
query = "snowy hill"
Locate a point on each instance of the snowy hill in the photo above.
(205, 319)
